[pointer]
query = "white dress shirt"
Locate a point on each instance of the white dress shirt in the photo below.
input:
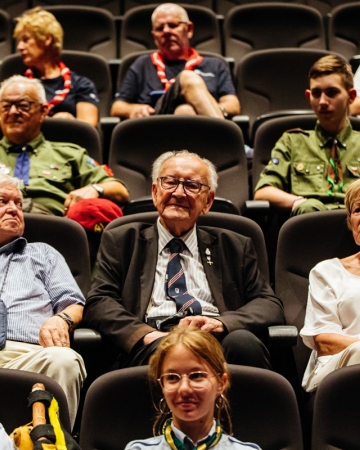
(196, 282)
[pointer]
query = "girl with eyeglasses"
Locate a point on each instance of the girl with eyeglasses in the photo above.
(190, 368)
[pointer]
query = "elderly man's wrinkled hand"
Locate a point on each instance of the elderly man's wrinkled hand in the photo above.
(209, 324)
(77, 195)
(54, 332)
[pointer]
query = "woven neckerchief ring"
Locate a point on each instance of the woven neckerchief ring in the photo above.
(175, 443)
(66, 76)
(193, 60)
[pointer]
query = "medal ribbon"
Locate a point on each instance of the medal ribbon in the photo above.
(66, 76)
(193, 60)
(175, 443)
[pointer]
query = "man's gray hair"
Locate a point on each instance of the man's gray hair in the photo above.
(159, 162)
(170, 6)
(7, 179)
(41, 96)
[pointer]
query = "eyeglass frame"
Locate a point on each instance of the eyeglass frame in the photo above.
(183, 184)
(15, 103)
(186, 376)
(172, 25)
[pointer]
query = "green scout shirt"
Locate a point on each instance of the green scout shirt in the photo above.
(299, 163)
(56, 168)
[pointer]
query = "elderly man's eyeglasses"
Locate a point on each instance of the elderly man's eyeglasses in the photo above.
(170, 382)
(190, 186)
(22, 106)
(172, 25)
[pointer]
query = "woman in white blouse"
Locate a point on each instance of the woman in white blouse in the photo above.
(332, 321)
(190, 368)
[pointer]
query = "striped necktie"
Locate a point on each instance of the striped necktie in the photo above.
(175, 283)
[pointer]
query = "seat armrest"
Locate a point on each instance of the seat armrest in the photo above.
(109, 121)
(85, 339)
(257, 206)
(139, 205)
(283, 336)
(244, 123)
(258, 211)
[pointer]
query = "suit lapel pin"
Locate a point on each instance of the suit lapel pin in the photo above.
(208, 256)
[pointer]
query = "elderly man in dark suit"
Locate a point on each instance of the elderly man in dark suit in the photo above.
(152, 277)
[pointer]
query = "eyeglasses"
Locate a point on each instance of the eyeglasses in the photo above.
(170, 382)
(22, 106)
(190, 186)
(172, 25)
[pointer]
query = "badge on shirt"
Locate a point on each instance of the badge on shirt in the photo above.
(208, 256)
(3, 169)
(92, 162)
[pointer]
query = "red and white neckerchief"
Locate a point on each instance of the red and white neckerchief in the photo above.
(66, 75)
(194, 59)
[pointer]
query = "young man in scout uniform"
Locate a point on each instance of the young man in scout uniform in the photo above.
(311, 170)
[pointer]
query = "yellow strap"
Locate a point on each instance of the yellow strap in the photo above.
(54, 420)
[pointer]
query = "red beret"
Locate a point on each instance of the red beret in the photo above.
(94, 213)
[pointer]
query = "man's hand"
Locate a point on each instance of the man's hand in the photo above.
(141, 111)
(150, 337)
(298, 202)
(63, 115)
(54, 332)
(213, 326)
(77, 195)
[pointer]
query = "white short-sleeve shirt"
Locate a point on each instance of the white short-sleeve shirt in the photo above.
(333, 306)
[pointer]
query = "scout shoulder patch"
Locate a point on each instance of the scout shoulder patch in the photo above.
(92, 162)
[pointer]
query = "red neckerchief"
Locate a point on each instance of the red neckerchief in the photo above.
(193, 60)
(66, 75)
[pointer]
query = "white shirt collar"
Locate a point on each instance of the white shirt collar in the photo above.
(180, 435)
(189, 238)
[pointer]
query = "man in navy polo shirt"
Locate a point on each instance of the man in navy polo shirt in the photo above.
(176, 79)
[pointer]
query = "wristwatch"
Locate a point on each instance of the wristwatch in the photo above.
(99, 190)
(67, 319)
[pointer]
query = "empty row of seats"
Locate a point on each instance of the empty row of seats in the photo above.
(119, 7)
(244, 29)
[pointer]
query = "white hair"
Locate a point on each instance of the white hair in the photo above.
(14, 182)
(159, 162)
(41, 96)
(170, 7)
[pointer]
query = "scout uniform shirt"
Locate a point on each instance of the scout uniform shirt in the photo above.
(56, 168)
(299, 163)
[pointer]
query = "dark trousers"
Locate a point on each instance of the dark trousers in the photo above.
(240, 347)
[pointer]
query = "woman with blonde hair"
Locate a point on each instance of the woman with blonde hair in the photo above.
(332, 320)
(39, 40)
(190, 368)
